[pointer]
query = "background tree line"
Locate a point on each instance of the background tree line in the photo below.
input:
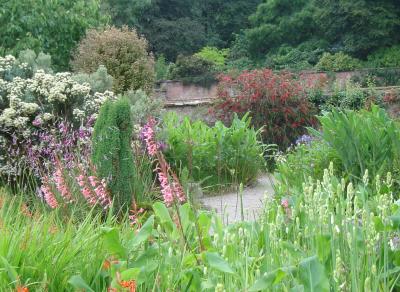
(258, 33)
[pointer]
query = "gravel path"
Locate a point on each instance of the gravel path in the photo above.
(228, 204)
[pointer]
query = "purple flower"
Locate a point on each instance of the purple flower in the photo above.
(36, 122)
(162, 146)
(304, 139)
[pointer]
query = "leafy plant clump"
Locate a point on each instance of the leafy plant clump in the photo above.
(337, 62)
(193, 70)
(276, 102)
(216, 155)
(112, 153)
(365, 140)
(122, 52)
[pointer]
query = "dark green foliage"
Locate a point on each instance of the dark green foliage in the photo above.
(112, 153)
(193, 70)
(54, 27)
(356, 28)
(175, 27)
(385, 57)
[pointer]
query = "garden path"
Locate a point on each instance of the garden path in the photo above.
(227, 205)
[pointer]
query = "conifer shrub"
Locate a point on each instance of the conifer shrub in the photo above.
(112, 153)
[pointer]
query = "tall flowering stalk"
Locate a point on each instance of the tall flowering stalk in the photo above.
(171, 189)
(93, 190)
(61, 184)
(48, 195)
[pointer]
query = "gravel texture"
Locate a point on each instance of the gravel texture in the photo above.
(228, 205)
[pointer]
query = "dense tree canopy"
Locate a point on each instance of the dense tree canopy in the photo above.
(354, 27)
(54, 27)
(176, 27)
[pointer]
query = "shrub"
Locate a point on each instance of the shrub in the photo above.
(213, 155)
(35, 62)
(276, 102)
(99, 81)
(385, 57)
(365, 140)
(214, 55)
(143, 106)
(193, 70)
(112, 153)
(32, 105)
(337, 62)
(122, 52)
(349, 96)
(162, 68)
(308, 158)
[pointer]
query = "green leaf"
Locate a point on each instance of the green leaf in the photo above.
(268, 280)
(297, 288)
(12, 273)
(161, 211)
(217, 262)
(112, 242)
(77, 282)
(185, 215)
(312, 275)
(144, 233)
(323, 246)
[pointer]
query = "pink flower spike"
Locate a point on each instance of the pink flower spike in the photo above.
(48, 195)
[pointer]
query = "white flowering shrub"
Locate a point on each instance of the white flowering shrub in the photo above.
(34, 103)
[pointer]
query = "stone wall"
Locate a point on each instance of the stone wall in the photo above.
(173, 91)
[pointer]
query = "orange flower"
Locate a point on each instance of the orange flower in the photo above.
(22, 289)
(131, 285)
(106, 265)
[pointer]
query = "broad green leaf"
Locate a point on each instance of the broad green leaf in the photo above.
(268, 280)
(144, 233)
(217, 262)
(112, 242)
(204, 221)
(312, 275)
(78, 283)
(161, 211)
(297, 288)
(323, 247)
(185, 215)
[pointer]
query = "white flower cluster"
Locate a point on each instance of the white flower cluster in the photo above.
(41, 97)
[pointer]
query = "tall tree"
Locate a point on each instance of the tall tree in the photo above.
(54, 27)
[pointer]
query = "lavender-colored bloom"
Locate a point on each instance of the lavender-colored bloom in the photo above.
(162, 146)
(304, 139)
(36, 122)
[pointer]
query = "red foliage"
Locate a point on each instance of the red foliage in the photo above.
(277, 102)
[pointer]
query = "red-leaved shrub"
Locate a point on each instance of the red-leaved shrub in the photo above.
(276, 101)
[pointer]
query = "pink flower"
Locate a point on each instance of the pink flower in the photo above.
(176, 186)
(285, 203)
(61, 185)
(166, 189)
(48, 195)
(93, 190)
(148, 135)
